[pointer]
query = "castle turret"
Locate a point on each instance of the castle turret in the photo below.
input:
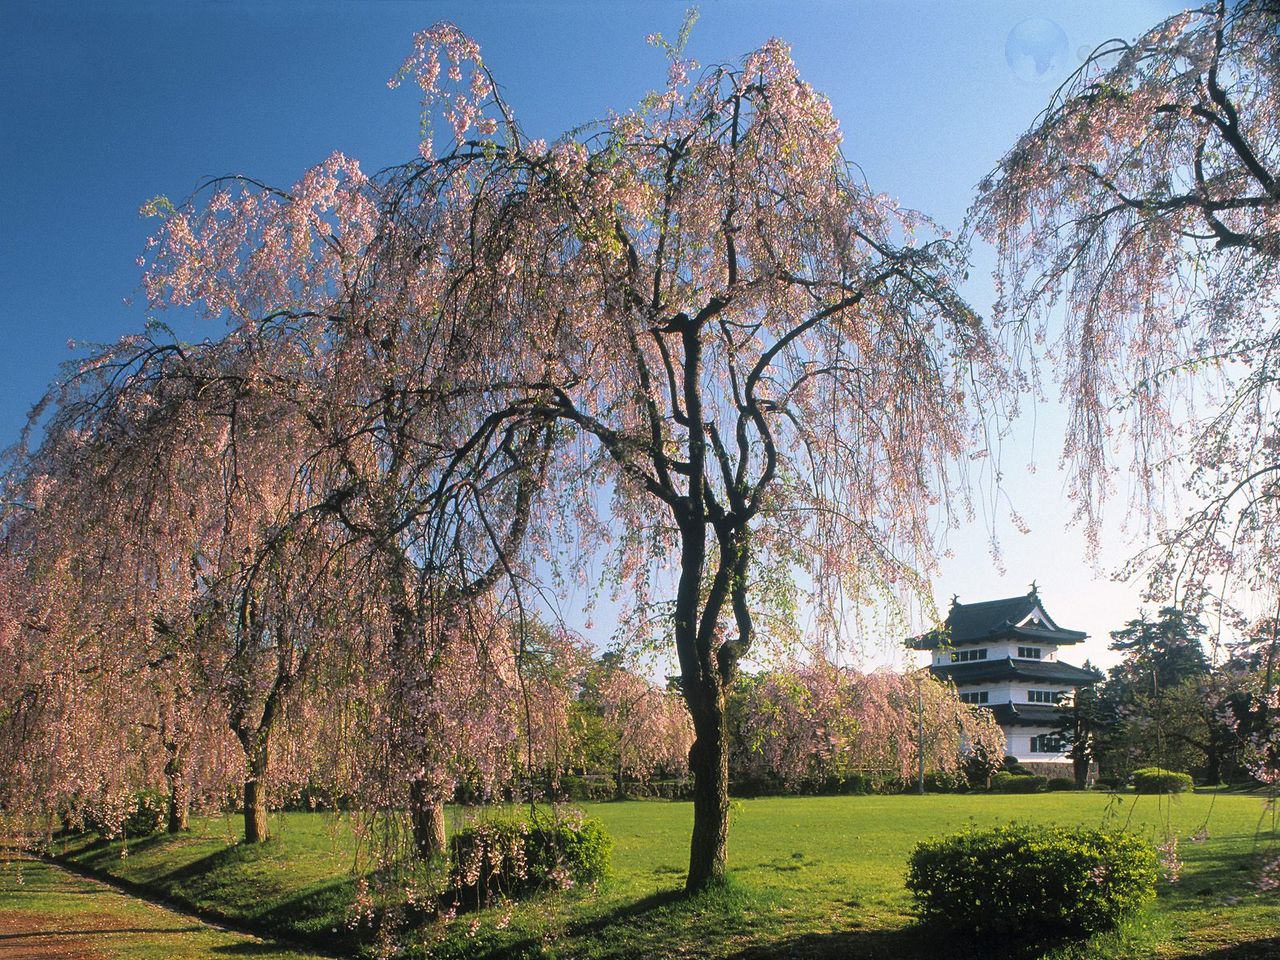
(1003, 655)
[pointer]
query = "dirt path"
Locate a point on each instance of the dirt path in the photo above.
(48, 913)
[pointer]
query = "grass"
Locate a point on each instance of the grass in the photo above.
(45, 912)
(813, 877)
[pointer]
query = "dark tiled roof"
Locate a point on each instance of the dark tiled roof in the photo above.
(993, 620)
(1007, 668)
(1037, 714)
(975, 621)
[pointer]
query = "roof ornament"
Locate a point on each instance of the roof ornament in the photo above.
(1035, 591)
(955, 599)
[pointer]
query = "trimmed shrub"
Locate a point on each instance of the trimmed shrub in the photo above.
(587, 789)
(1062, 783)
(855, 784)
(1013, 765)
(1159, 780)
(1024, 878)
(1005, 782)
(512, 856)
(1108, 783)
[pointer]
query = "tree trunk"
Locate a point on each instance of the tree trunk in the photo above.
(709, 763)
(255, 811)
(255, 794)
(1080, 770)
(427, 817)
(175, 771)
(1212, 764)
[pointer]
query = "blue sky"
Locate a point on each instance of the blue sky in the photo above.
(103, 105)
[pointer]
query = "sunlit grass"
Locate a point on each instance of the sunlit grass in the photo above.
(812, 877)
(46, 912)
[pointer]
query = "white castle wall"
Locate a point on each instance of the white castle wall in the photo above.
(1018, 744)
(998, 651)
(1014, 691)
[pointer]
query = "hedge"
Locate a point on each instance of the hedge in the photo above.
(1159, 780)
(1005, 782)
(1024, 878)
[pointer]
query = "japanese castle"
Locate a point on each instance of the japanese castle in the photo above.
(1003, 654)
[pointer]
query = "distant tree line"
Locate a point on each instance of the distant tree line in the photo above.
(1168, 704)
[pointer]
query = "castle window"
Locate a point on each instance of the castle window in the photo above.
(1029, 653)
(1047, 743)
(962, 656)
(1043, 696)
(978, 696)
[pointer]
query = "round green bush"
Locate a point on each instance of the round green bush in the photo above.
(511, 856)
(1024, 878)
(1062, 783)
(1005, 782)
(148, 815)
(1159, 780)
(1013, 765)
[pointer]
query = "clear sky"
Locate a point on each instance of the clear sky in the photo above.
(103, 105)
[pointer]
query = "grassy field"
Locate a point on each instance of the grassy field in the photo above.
(818, 877)
(45, 912)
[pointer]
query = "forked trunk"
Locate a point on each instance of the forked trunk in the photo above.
(709, 763)
(703, 677)
(427, 816)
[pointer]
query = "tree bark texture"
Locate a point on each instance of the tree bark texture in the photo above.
(709, 763)
(175, 771)
(255, 794)
(427, 817)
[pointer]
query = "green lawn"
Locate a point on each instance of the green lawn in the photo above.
(812, 877)
(45, 912)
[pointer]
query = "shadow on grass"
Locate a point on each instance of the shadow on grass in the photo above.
(202, 867)
(630, 912)
(635, 929)
(1211, 878)
(666, 924)
(314, 915)
(912, 942)
(96, 931)
(1266, 949)
(311, 918)
(246, 948)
